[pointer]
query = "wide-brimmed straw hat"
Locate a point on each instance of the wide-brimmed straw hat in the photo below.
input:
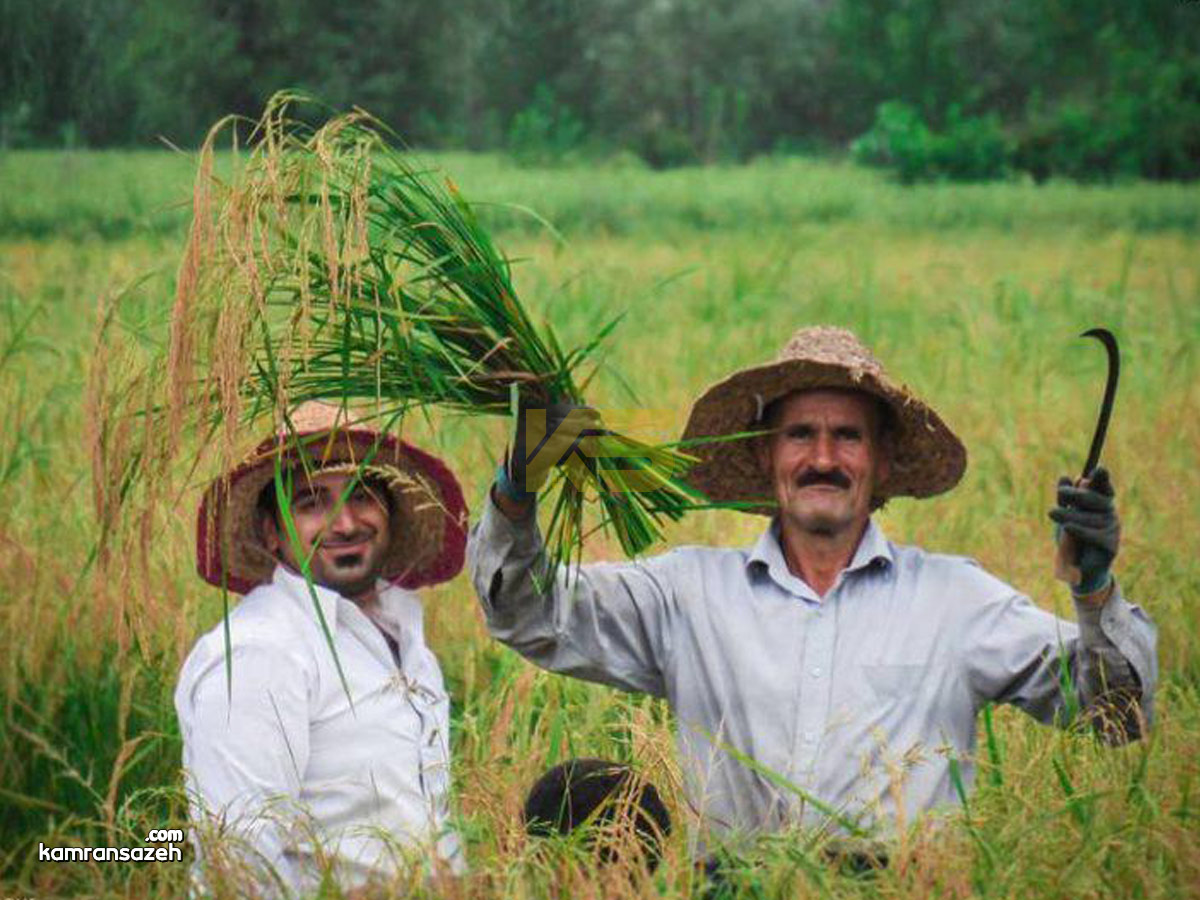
(926, 457)
(429, 518)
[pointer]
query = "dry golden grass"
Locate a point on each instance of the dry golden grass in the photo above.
(981, 320)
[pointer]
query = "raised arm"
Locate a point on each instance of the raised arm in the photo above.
(1027, 655)
(1018, 653)
(603, 622)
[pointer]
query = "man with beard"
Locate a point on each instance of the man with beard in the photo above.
(825, 675)
(315, 722)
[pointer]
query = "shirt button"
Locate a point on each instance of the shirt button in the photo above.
(816, 671)
(809, 737)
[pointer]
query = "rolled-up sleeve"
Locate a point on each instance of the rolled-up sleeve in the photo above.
(607, 623)
(1118, 665)
(1019, 654)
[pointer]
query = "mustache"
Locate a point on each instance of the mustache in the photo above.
(834, 477)
(334, 541)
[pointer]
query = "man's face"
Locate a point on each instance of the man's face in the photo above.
(824, 460)
(351, 540)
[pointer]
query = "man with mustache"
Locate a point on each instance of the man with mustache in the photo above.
(824, 675)
(315, 723)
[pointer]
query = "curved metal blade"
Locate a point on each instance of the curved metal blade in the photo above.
(1109, 340)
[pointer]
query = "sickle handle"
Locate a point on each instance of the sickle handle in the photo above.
(1066, 562)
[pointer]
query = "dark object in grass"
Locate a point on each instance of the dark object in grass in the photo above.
(607, 799)
(725, 872)
(853, 856)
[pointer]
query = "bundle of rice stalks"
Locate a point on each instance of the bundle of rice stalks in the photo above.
(330, 266)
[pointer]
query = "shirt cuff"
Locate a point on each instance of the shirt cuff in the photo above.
(505, 537)
(498, 550)
(1088, 615)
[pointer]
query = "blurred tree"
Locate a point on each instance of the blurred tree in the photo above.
(1086, 88)
(182, 71)
(54, 77)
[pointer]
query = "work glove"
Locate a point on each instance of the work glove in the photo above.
(1087, 518)
(540, 444)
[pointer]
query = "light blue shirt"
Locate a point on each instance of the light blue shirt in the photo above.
(857, 701)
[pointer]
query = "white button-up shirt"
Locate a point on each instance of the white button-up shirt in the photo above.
(858, 700)
(288, 755)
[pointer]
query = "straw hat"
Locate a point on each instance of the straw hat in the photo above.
(926, 456)
(429, 517)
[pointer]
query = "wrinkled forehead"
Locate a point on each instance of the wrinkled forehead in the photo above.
(842, 404)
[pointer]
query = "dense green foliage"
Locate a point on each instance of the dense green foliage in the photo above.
(970, 149)
(1081, 88)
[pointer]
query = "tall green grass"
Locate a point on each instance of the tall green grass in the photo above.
(980, 318)
(113, 196)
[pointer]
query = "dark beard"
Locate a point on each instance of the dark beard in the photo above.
(350, 589)
(337, 575)
(350, 561)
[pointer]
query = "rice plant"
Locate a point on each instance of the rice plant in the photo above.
(331, 266)
(974, 295)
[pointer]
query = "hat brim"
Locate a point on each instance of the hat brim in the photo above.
(429, 515)
(926, 457)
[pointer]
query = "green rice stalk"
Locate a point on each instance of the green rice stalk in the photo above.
(995, 756)
(331, 266)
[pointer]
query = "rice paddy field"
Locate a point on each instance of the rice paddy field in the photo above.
(973, 295)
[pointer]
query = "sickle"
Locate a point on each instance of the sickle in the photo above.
(1106, 337)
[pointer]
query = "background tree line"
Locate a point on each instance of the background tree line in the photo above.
(957, 88)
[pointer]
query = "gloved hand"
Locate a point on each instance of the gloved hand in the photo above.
(1085, 512)
(540, 444)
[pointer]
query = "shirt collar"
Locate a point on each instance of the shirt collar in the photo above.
(767, 553)
(401, 614)
(401, 609)
(874, 547)
(294, 585)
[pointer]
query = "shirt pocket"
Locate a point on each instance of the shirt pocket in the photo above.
(894, 681)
